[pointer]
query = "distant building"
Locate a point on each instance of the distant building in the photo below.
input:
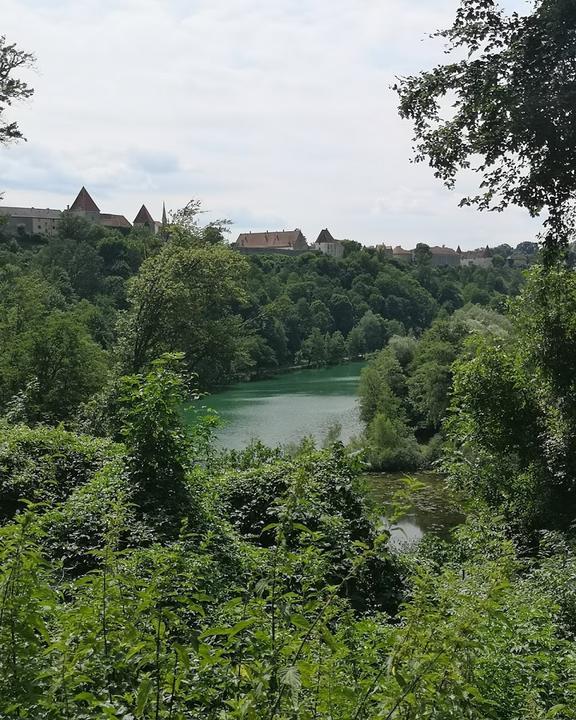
(329, 245)
(30, 221)
(35, 221)
(85, 207)
(287, 242)
(145, 220)
(398, 253)
(478, 258)
(444, 256)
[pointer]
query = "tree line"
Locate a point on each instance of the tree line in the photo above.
(83, 307)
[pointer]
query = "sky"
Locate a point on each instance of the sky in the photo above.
(275, 114)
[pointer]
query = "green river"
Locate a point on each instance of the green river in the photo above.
(291, 406)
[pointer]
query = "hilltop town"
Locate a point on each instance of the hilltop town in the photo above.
(30, 221)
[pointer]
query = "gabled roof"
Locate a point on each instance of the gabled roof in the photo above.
(278, 239)
(144, 217)
(325, 237)
(114, 221)
(84, 202)
(436, 250)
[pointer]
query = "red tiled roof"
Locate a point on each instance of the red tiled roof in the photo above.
(280, 239)
(435, 250)
(144, 217)
(114, 221)
(84, 202)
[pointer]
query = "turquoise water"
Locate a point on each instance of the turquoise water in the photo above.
(292, 406)
(289, 407)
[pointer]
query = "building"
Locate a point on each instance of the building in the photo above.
(398, 253)
(442, 256)
(280, 242)
(38, 221)
(479, 258)
(85, 207)
(30, 221)
(329, 245)
(145, 220)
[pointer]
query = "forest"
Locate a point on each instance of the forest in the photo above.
(83, 308)
(145, 575)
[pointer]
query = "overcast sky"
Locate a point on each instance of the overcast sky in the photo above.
(274, 113)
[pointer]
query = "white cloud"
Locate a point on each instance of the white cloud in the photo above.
(271, 110)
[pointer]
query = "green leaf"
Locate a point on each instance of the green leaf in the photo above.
(229, 631)
(300, 621)
(290, 677)
(143, 694)
(329, 639)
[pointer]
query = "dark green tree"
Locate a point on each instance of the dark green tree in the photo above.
(511, 115)
(11, 87)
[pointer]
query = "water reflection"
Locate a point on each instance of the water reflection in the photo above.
(434, 508)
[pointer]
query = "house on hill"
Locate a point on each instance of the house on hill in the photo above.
(287, 242)
(145, 220)
(398, 253)
(329, 245)
(34, 221)
(85, 207)
(29, 221)
(444, 256)
(479, 258)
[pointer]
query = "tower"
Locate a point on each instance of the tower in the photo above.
(85, 206)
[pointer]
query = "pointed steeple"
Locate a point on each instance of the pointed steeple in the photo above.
(458, 250)
(144, 218)
(164, 217)
(84, 203)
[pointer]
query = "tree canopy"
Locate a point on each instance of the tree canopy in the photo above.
(504, 107)
(12, 88)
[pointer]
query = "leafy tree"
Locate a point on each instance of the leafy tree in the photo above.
(313, 351)
(11, 87)
(335, 348)
(342, 312)
(183, 299)
(514, 411)
(423, 254)
(512, 119)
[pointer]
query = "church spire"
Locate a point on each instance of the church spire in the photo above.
(164, 218)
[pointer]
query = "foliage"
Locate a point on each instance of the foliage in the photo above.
(513, 412)
(44, 465)
(12, 88)
(405, 389)
(183, 300)
(511, 113)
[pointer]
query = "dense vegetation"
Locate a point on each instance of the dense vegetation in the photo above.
(143, 575)
(82, 308)
(405, 389)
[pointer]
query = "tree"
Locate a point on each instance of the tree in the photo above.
(12, 88)
(342, 312)
(184, 299)
(422, 254)
(513, 119)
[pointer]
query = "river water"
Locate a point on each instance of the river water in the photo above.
(292, 406)
(289, 407)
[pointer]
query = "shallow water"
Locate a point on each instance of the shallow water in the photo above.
(434, 509)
